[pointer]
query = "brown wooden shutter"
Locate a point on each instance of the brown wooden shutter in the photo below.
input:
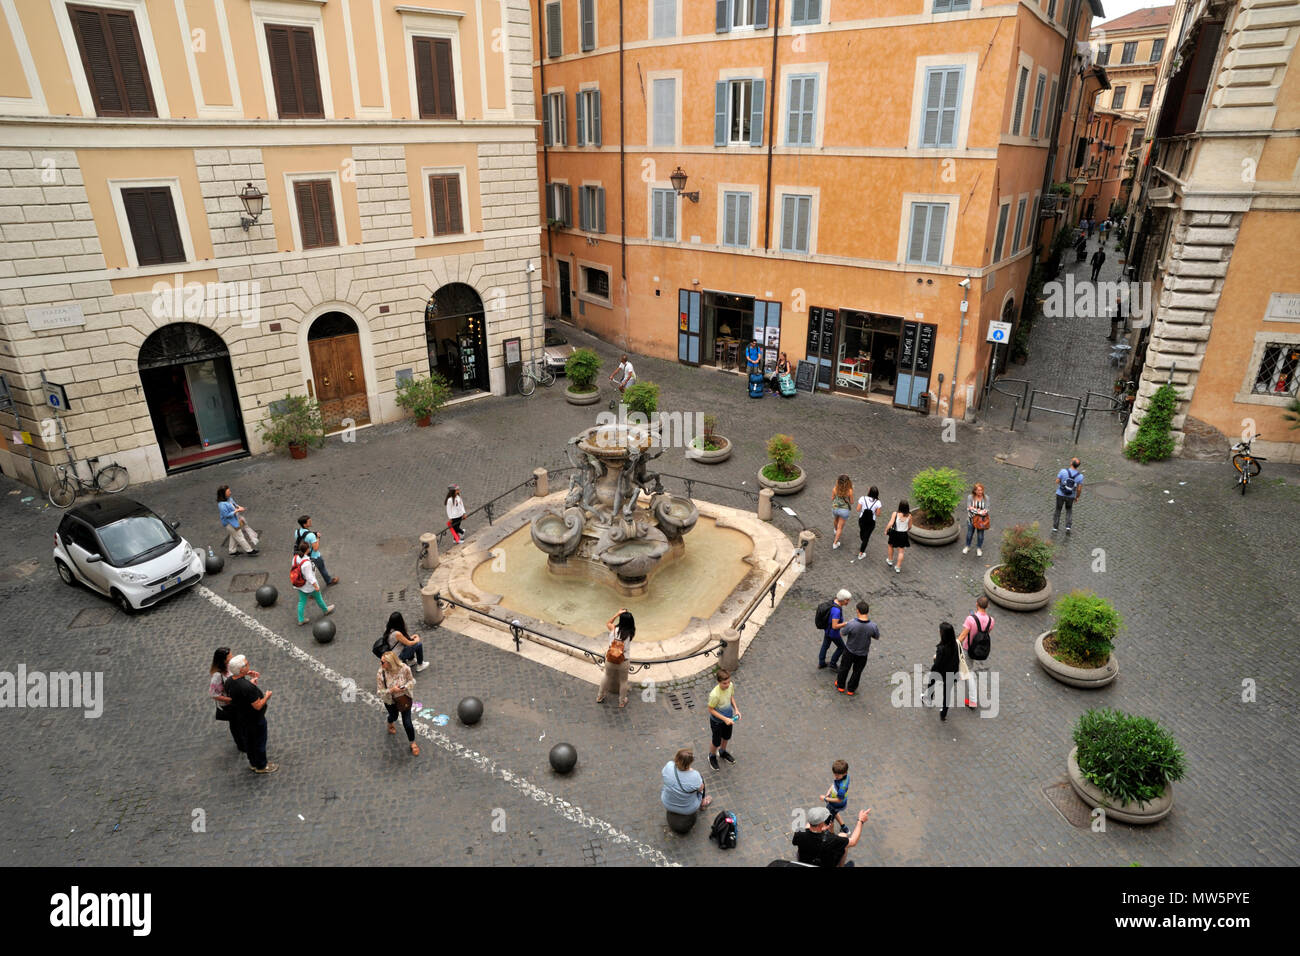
(305, 71)
(454, 224)
(444, 78)
(424, 83)
(294, 75)
(324, 195)
(444, 198)
(155, 232)
(278, 51)
(308, 225)
(113, 59)
(130, 63)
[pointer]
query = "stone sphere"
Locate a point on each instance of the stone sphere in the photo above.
(267, 595)
(213, 563)
(470, 711)
(323, 631)
(564, 757)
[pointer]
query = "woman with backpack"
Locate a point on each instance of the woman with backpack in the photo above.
(900, 522)
(394, 684)
(217, 675)
(946, 663)
(407, 647)
(841, 501)
(621, 628)
(868, 512)
(302, 575)
(455, 511)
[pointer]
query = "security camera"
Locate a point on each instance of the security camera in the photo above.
(965, 283)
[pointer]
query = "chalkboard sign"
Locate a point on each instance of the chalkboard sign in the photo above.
(805, 379)
(814, 331)
(922, 354)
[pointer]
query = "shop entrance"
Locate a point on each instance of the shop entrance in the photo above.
(726, 327)
(566, 290)
(456, 332)
(866, 354)
(190, 390)
(338, 377)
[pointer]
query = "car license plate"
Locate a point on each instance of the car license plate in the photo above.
(163, 587)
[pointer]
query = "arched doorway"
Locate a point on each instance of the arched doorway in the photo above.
(456, 333)
(338, 377)
(999, 351)
(190, 390)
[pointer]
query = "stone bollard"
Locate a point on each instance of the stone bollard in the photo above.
(765, 504)
(731, 653)
(432, 609)
(428, 551)
(805, 542)
(543, 484)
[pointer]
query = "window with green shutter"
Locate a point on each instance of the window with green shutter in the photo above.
(664, 23)
(663, 215)
(735, 219)
(1021, 88)
(1036, 118)
(801, 110)
(554, 31)
(1004, 211)
(1020, 225)
(942, 107)
(587, 105)
(664, 132)
(796, 223)
(950, 6)
(591, 209)
(555, 126)
(806, 13)
(587, 24)
(155, 233)
(926, 236)
(113, 58)
(559, 204)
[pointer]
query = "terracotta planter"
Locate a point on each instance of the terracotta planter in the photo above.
(784, 487)
(1088, 678)
(581, 398)
(1125, 812)
(424, 421)
(1015, 600)
(933, 538)
(298, 451)
(694, 453)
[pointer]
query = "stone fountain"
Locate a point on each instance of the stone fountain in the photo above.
(616, 524)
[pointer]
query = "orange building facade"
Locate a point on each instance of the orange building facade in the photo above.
(848, 166)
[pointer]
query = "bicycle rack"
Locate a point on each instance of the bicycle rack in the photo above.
(1074, 415)
(1113, 404)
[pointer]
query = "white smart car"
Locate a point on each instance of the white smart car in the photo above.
(124, 551)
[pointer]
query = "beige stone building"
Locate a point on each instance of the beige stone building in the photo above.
(1131, 48)
(207, 205)
(1219, 224)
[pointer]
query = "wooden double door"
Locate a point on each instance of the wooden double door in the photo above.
(340, 380)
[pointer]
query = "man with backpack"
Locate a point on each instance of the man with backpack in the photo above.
(858, 635)
(305, 533)
(829, 619)
(975, 640)
(819, 846)
(1069, 489)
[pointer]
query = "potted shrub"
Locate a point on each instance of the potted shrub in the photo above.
(422, 397)
(1020, 582)
(642, 397)
(1153, 441)
(295, 423)
(1126, 765)
(1079, 650)
(581, 369)
(710, 447)
(936, 492)
(781, 474)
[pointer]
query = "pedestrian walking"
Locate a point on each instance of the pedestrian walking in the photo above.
(1081, 247)
(723, 714)
(945, 666)
(837, 794)
(237, 541)
(408, 647)
(621, 628)
(896, 534)
(248, 702)
(975, 639)
(394, 684)
(1092, 226)
(1098, 259)
(217, 675)
(312, 537)
(868, 512)
(857, 635)
(455, 511)
(818, 846)
(1069, 489)
(841, 501)
(834, 621)
(683, 788)
(302, 575)
(977, 519)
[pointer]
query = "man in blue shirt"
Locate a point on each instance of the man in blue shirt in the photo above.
(305, 533)
(753, 356)
(831, 636)
(1069, 489)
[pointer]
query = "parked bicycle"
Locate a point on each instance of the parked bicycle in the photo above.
(109, 480)
(1125, 393)
(1246, 464)
(534, 372)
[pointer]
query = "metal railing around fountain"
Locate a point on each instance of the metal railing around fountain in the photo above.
(768, 592)
(519, 632)
(489, 509)
(748, 493)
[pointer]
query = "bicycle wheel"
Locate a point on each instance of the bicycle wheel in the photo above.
(548, 377)
(1245, 462)
(1244, 480)
(64, 493)
(527, 384)
(112, 479)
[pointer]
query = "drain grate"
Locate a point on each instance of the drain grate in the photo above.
(104, 651)
(93, 617)
(680, 700)
(1067, 803)
(250, 581)
(393, 594)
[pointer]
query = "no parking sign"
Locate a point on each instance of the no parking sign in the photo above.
(999, 332)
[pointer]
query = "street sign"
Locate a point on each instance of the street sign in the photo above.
(999, 332)
(56, 397)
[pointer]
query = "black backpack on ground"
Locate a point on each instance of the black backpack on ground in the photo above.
(725, 829)
(980, 643)
(822, 619)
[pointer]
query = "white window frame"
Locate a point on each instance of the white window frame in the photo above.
(917, 122)
(559, 181)
(281, 13)
(1039, 106)
(562, 127)
(650, 211)
(443, 28)
(822, 20)
(466, 220)
(172, 183)
(580, 284)
(747, 190)
(147, 45)
(746, 116)
(1262, 341)
(676, 77)
(595, 184)
(677, 20)
(814, 213)
(340, 218)
(820, 71)
(584, 135)
(949, 231)
(734, 7)
(1025, 63)
(999, 251)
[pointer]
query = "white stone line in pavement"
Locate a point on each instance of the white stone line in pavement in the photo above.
(489, 766)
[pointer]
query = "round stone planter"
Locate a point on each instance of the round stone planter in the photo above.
(693, 453)
(1088, 678)
(581, 398)
(933, 537)
(784, 487)
(1015, 600)
(1126, 812)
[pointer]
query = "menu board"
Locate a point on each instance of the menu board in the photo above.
(806, 377)
(821, 331)
(923, 352)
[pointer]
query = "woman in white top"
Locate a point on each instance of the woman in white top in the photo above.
(455, 511)
(977, 519)
(868, 512)
(310, 586)
(900, 522)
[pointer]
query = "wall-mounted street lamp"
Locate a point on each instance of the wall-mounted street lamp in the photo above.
(252, 200)
(678, 179)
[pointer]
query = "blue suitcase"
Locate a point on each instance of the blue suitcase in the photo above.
(756, 385)
(787, 385)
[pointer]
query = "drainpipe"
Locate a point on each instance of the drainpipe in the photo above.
(772, 126)
(622, 179)
(546, 159)
(961, 328)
